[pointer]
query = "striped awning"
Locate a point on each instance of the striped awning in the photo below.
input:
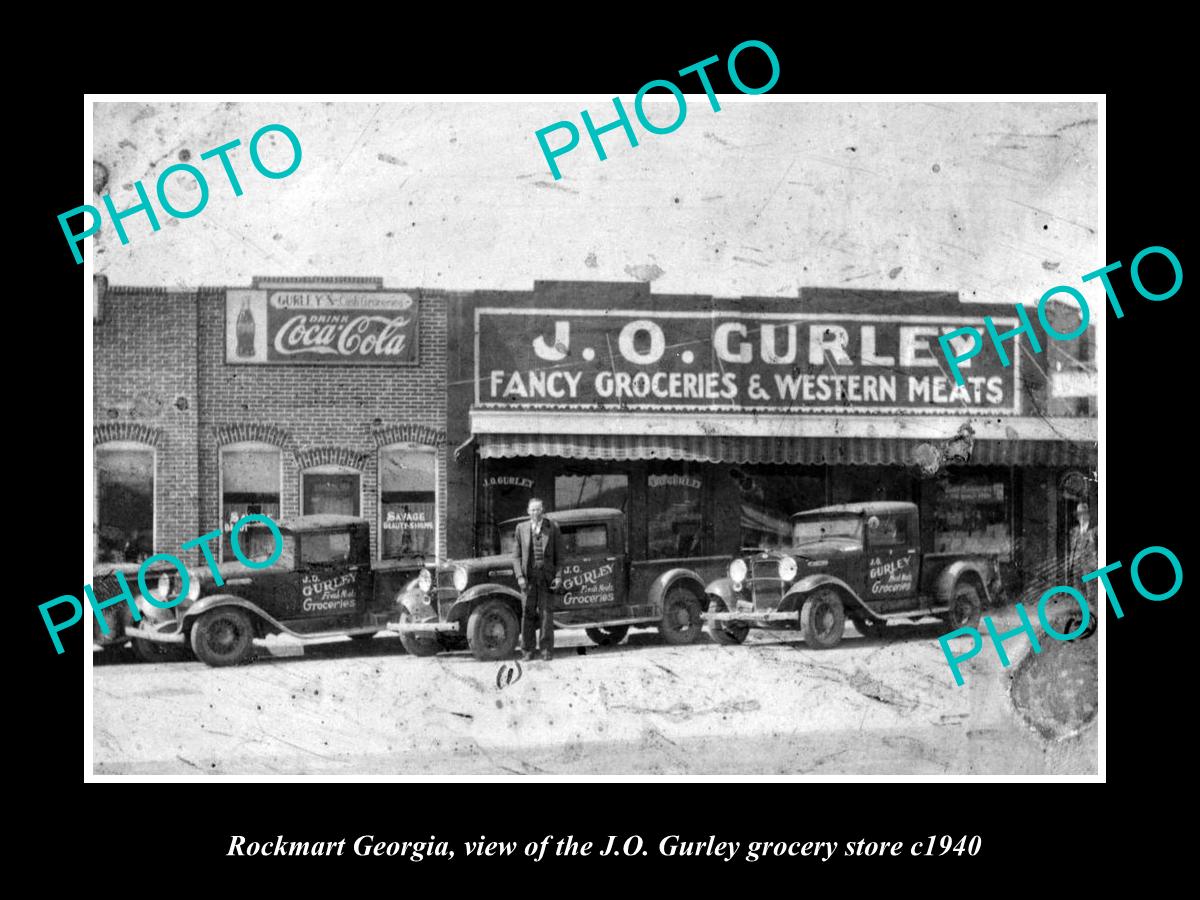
(743, 449)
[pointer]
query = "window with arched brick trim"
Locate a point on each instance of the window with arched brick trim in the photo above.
(251, 476)
(331, 488)
(123, 503)
(408, 501)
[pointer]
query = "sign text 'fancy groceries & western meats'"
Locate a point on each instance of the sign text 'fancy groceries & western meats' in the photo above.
(808, 362)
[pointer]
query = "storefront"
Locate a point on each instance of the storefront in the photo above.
(709, 421)
(290, 397)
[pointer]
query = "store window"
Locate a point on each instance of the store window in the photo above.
(675, 502)
(862, 484)
(972, 514)
(124, 506)
(505, 488)
(250, 483)
(577, 490)
(407, 502)
(331, 489)
(770, 495)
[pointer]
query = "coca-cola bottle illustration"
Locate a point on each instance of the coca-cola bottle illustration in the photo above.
(245, 331)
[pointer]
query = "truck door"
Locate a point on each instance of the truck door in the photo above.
(892, 556)
(332, 583)
(593, 574)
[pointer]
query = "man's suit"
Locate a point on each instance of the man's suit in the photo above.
(538, 598)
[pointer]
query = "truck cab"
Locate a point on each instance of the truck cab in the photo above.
(602, 590)
(860, 561)
(322, 584)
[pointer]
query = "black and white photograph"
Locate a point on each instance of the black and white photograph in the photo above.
(697, 432)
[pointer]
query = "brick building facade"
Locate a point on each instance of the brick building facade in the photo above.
(165, 396)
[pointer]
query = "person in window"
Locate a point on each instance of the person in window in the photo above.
(537, 557)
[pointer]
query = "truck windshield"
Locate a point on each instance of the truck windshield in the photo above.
(807, 531)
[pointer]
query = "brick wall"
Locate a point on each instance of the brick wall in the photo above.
(320, 414)
(161, 379)
(144, 390)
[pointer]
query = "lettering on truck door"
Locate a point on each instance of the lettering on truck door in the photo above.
(592, 574)
(330, 584)
(891, 560)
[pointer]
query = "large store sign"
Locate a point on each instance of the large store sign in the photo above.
(810, 362)
(331, 327)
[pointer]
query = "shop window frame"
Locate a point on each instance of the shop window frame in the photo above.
(240, 446)
(438, 499)
(138, 446)
(332, 469)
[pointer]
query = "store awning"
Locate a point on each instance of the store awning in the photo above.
(792, 451)
(784, 439)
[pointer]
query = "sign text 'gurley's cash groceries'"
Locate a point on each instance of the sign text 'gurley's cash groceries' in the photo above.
(813, 362)
(331, 327)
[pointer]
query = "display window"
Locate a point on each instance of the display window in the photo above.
(407, 502)
(124, 507)
(251, 481)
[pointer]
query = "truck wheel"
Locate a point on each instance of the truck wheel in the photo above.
(157, 651)
(965, 608)
(726, 632)
(223, 637)
(681, 622)
(607, 637)
(418, 643)
(493, 630)
(823, 619)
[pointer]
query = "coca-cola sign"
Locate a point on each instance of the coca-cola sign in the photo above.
(334, 327)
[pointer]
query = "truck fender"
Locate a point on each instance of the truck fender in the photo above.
(416, 601)
(796, 594)
(668, 580)
(722, 588)
(973, 570)
(204, 604)
(470, 598)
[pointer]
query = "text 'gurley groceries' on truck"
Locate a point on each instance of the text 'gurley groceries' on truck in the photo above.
(859, 561)
(476, 602)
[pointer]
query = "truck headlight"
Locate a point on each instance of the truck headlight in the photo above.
(461, 578)
(738, 571)
(425, 580)
(193, 593)
(788, 568)
(162, 588)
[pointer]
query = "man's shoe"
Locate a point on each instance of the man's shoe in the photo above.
(524, 655)
(547, 655)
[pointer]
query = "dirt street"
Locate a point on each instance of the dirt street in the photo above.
(771, 706)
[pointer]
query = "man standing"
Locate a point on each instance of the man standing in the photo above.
(1082, 552)
(536, 560)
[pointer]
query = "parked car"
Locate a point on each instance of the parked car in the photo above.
(605, 591)
(118, 618)
(859, 561)
(324, 583)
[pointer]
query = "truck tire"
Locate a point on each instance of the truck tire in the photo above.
(608, 637)
(417, 643)
(726, 632)
(223, 636)
(823, 619)
(681, 622)
(965, 606)
(493, 630)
